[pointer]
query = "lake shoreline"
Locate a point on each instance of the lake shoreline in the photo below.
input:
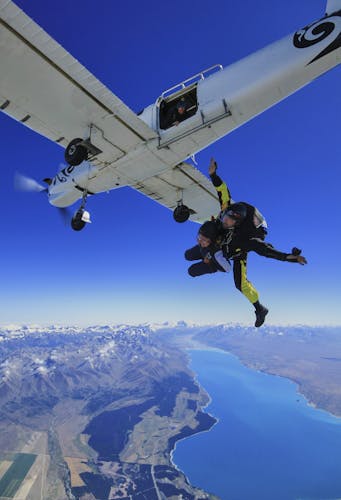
(279, 417)
(249, 365)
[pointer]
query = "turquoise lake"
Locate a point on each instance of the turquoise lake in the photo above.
(268, 444)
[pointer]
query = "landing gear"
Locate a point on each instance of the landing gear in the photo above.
(75, 152)
(181, 213)
(79, 150)
(81, 217)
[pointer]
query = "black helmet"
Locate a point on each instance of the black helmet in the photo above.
(210, 230)
(236, 211)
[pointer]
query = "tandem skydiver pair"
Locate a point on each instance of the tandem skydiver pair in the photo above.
(238, 229)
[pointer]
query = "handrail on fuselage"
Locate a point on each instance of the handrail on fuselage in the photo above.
(191, 80)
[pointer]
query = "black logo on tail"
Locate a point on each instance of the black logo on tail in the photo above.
(318, 31)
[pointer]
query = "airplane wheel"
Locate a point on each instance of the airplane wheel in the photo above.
(75, 154)
(181, 213)
(76, 222)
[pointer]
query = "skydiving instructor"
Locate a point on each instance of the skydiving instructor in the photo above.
(238, 229)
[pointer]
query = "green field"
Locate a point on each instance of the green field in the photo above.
(12, 479)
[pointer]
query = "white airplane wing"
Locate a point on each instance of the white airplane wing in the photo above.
(183, 183)
(48, 90)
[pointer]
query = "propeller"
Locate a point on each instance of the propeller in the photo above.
(27, 184)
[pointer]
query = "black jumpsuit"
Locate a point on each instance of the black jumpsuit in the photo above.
(235, 243)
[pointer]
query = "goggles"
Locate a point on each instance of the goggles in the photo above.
(203, 239)
(233, 215)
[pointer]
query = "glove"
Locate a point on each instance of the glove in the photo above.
(297, 258)
(212, 168)
(207, 258)
(296, 251)
(301, 260)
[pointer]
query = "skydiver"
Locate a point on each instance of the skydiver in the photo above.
(208, 251)
(240, 228)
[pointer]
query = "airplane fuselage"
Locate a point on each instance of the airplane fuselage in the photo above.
(224, 101)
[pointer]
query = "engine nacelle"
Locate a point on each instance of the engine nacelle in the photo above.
(69, 184)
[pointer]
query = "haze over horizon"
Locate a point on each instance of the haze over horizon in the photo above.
(128, 266)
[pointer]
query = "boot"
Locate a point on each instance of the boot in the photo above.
(261, 312)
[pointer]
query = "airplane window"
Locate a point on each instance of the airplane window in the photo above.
(175, 111)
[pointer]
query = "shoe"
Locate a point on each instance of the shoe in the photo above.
(260, 316)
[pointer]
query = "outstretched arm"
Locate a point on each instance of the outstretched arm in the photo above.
(267, 250)
(219, 184)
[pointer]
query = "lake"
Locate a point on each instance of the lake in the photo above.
(268, 444)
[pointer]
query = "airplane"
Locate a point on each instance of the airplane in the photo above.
(108, 146)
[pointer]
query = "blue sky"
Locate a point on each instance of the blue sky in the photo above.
(128, 265)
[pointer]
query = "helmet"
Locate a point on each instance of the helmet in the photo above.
(236, 211)
(210, 230)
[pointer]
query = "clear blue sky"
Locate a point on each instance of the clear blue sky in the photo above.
(128, 265)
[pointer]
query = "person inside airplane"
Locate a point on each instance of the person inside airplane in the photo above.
(178, 113)
(239, 229)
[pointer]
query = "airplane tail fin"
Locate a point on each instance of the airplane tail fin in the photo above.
(333, 6)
